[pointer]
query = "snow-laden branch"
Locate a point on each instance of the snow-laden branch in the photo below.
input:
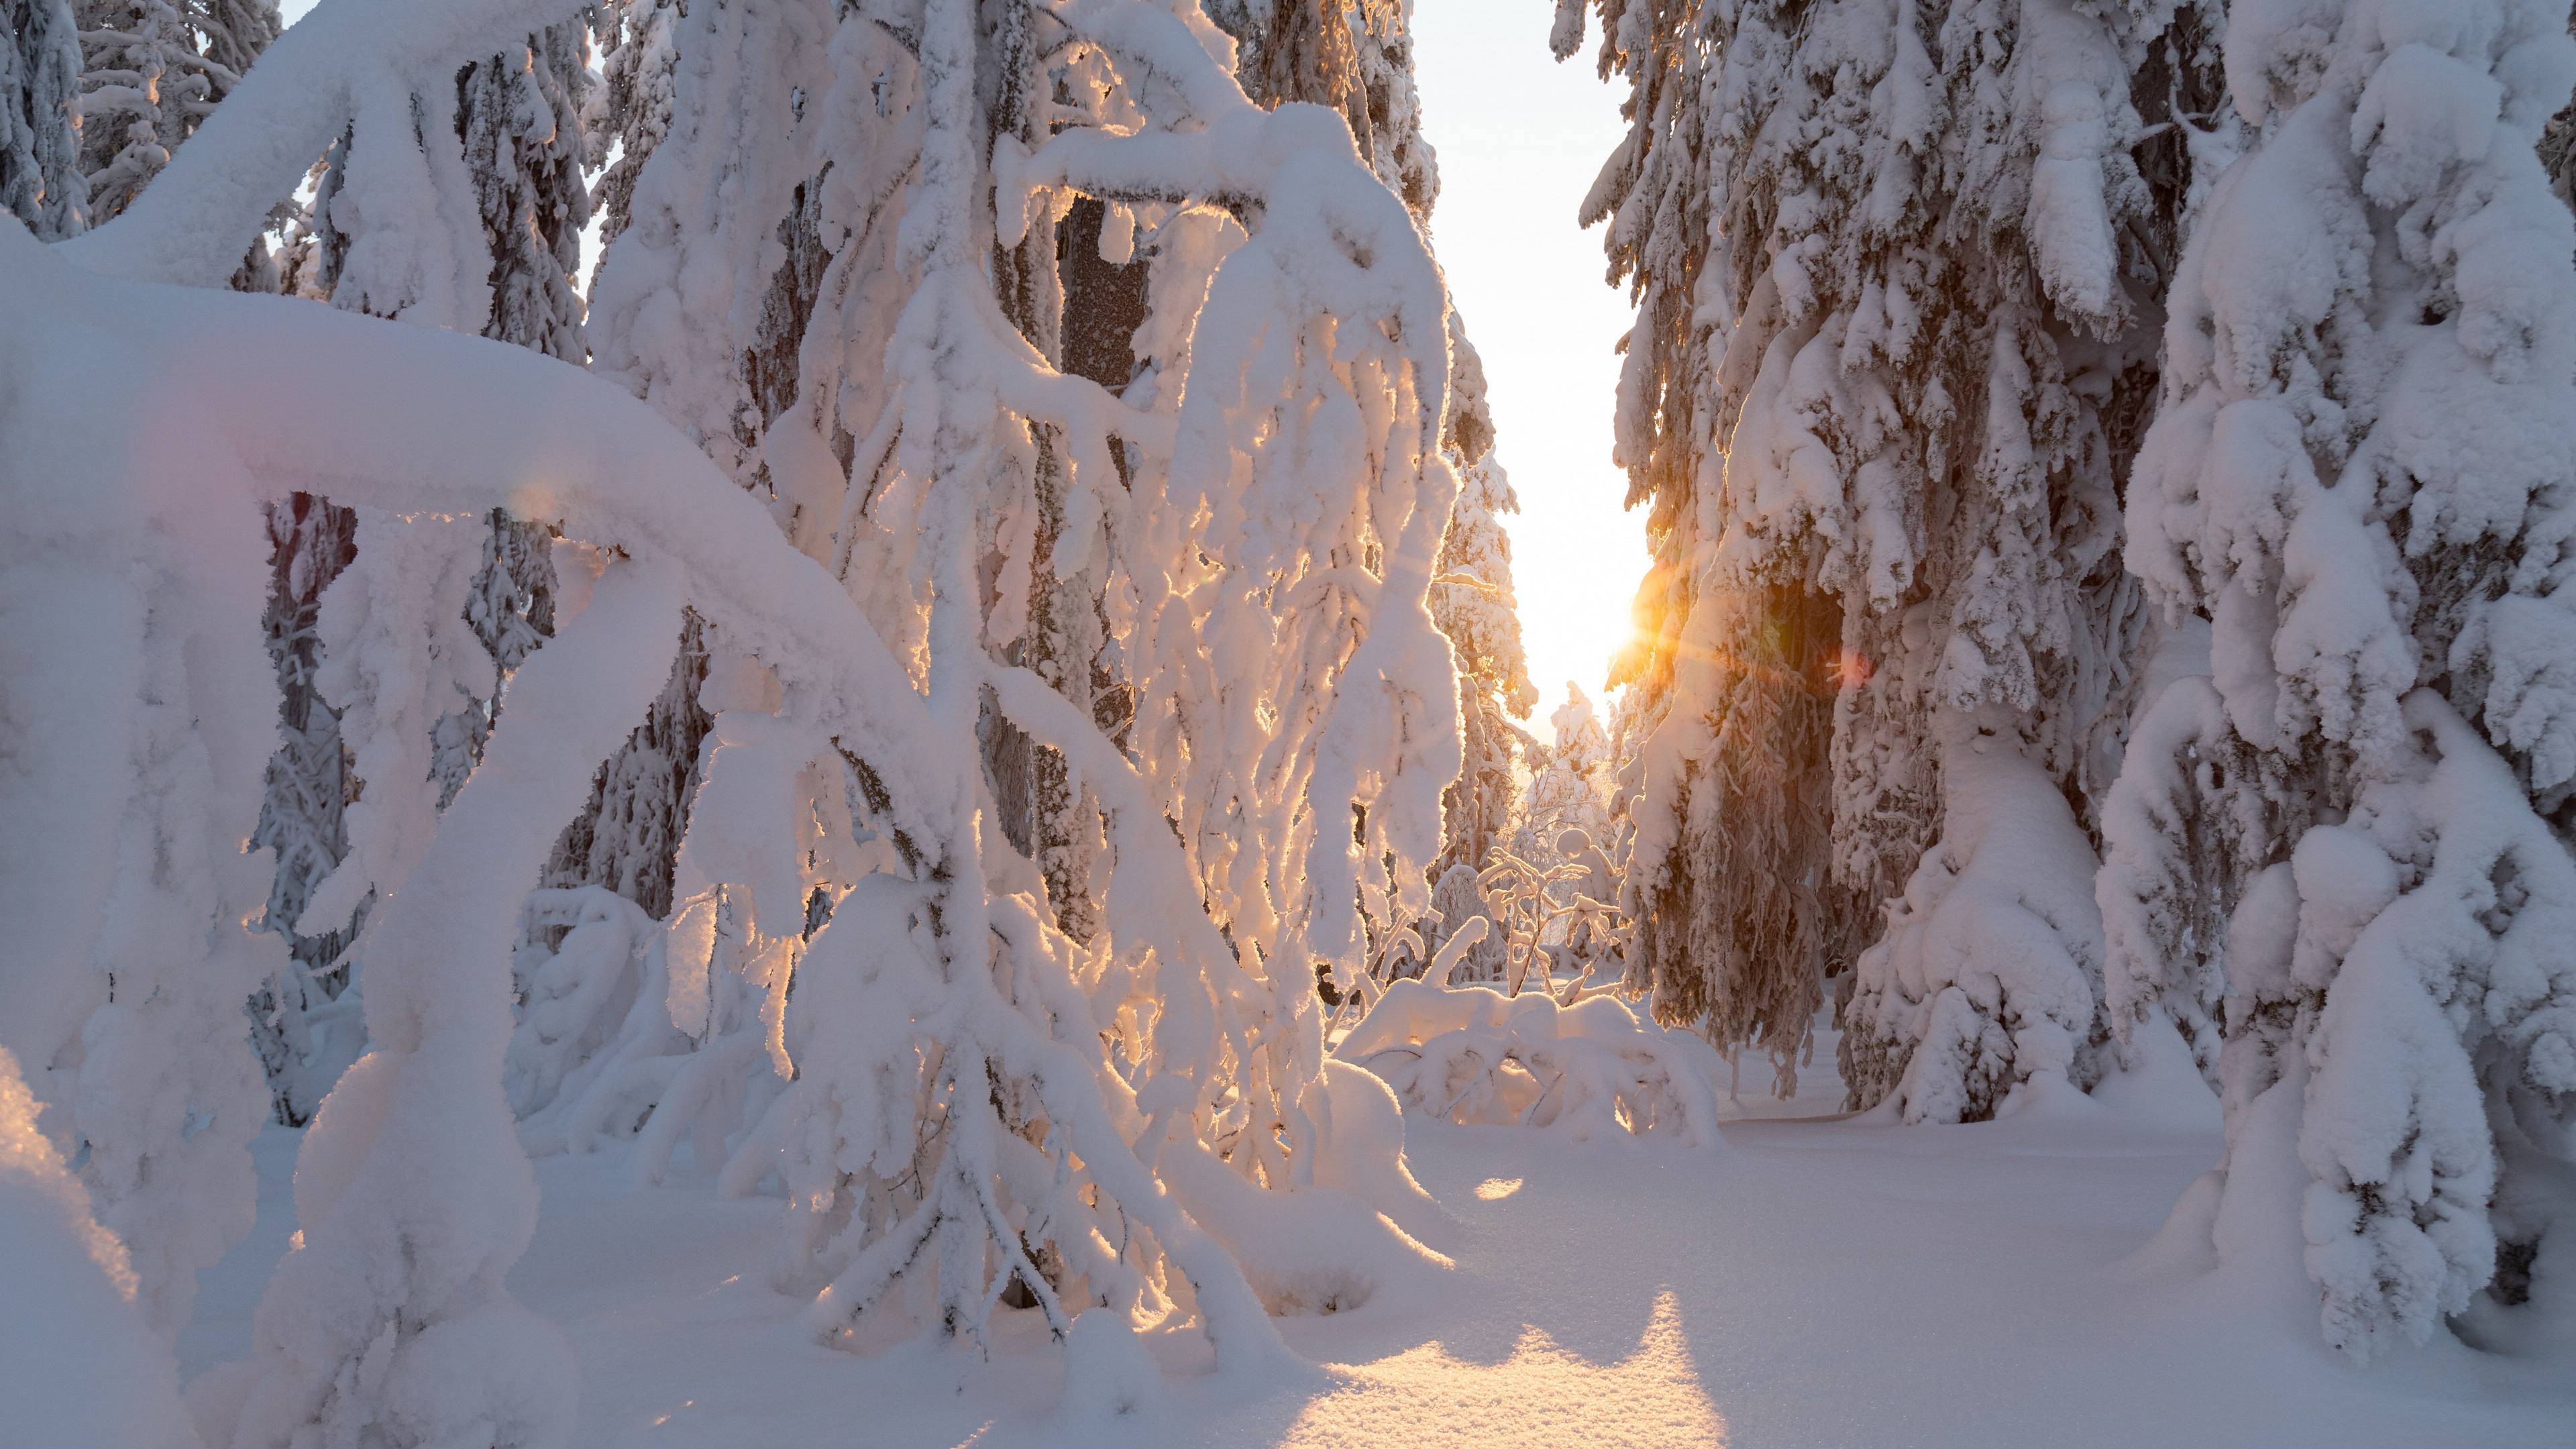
(1262, 538)
(321, 401)
(305, 396)
(191, 226)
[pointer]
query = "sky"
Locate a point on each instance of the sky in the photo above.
(1520, 138)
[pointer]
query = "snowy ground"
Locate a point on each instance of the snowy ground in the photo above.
(1825, 1283)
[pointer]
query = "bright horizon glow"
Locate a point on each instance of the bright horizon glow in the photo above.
(1520, 138)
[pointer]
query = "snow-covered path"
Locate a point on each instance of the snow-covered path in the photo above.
(1824, 1284)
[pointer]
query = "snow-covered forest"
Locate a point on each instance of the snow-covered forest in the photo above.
(734, 721)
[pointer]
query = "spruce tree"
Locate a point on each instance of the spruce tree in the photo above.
(1892, 263)
(152, 71)
(1569, 784)
(2346, 840)
(520, 116)
(40, 64)
(302, 810)
(630, 112)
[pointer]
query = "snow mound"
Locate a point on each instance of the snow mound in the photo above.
(1985, 981)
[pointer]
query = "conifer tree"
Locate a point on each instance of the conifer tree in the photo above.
(152, 71)
(2347, 842)
(302, 807)
(40, 64)
(789, 381)
(1357, 58)
(630, 112)
(1568, 790)
(517, 122)
(520, 115)
(1892, 262)
(1475, 607)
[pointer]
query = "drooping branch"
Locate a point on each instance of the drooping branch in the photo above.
(191, 226)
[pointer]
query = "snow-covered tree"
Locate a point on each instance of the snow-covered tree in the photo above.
(1633, 719)
(356, 648)
(519, 114)
(1460, 897)
(1259, 662)
(1569, 787)
(978, 1097)
(626, 837)
(152, 71)
(2348, 840)
(1474, 605)
(1357, 58)
(304, 1042)
(40, 64)
(1894, 264)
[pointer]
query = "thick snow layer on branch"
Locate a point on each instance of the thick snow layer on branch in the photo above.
(203, 211)
(1317, 521)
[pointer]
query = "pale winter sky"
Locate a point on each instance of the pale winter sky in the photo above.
(1520, 138)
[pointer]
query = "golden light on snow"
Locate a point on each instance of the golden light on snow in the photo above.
(1851, 669)
(1495, 1189)
(1541, 1397)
